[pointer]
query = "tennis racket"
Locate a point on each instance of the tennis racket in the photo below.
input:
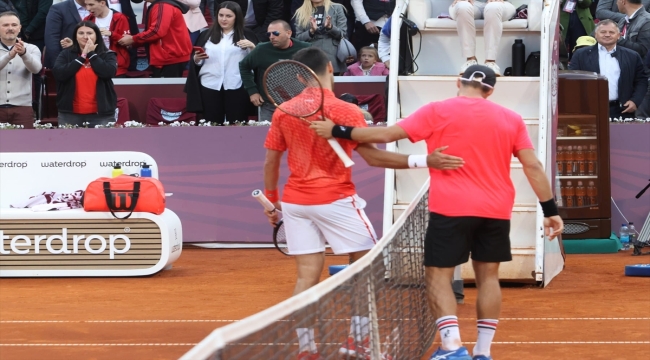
(288, 79)
(279, 237)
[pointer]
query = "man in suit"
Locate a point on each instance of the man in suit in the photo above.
(623, 68)
(60, 24)
(634, 27)
(259, 16)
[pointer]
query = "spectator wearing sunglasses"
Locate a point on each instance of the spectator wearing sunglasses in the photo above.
(281, 47)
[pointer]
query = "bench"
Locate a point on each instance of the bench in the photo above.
(441, 50)
(75, 243)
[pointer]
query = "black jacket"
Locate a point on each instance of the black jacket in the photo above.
(266, 11)
(633, 81)
(69, 62)
(127, 10)
(193, 83)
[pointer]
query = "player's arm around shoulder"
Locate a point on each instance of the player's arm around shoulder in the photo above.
(376, 135)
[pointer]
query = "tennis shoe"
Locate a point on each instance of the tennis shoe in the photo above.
(459, 354)
(351, 349)
(493, 65)
(481, 357)
(467, 64)
(306, 355)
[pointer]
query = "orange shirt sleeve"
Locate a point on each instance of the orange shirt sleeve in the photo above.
(274, 139)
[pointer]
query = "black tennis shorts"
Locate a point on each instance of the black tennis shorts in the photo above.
(450, 240)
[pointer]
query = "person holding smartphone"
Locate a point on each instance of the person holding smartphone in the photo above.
(214, 86)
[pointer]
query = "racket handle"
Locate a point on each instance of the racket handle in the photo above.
(340, 152)
(259, 195)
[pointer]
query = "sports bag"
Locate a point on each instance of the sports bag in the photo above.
(533, 64)
(125, 193)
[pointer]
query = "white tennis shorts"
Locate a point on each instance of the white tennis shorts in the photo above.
(342, 224)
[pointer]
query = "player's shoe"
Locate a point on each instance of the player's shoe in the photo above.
(306, 355)
(467, 64)
(351, 349)
(481, 357)
(459, 354)
(493, 65)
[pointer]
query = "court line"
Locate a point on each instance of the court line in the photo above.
(108, 344)
(284, 344)
(231, 321)
(111, 321)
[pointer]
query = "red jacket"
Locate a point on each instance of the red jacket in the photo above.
(166, 33)
(118, 28)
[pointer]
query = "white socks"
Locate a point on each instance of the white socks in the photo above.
(449, 333)
(486, 330)
(306, 340)
(359, 327)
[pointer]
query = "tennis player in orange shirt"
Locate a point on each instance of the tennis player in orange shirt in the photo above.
(319, 203)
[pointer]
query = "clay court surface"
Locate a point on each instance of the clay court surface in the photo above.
(590, 311)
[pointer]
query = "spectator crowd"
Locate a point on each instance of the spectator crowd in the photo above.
(84, 44)
(612, 38)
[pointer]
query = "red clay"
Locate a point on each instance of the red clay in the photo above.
(219, 286)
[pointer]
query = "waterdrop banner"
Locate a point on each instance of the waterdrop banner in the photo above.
(23, 175)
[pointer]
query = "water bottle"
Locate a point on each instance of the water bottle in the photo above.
(592, 194)
(581, 194)
(559, 192)
(518, 58)
(632, 232)
(117, 170)
(625, 237)
(145, 171)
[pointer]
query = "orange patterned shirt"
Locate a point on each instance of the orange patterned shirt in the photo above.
(317, 174)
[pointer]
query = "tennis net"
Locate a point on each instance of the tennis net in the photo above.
(380, 300)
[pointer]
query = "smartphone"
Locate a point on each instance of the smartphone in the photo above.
(198, 49)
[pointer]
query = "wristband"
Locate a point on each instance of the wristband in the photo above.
(272, 195)
(549, 208)
(342, 132)
(417, 161)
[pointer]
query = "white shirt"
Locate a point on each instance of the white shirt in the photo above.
(82, 11)
(249, 18)
(609, 68)
(362, 17)
(115, 5)
(105, 24)
(222, 66)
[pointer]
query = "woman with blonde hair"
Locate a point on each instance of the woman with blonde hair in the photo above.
(322, 23)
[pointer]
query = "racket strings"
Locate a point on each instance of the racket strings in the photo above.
(286, 81)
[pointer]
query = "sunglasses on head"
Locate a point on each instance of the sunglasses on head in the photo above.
(274, 33)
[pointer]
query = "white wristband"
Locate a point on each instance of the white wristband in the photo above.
(417, 161)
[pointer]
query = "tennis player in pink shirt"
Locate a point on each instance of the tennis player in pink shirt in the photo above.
(470, 206)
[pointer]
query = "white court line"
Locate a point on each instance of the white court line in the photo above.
(108, 344)
(231, 321)
(296, 344)
(110, 321)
